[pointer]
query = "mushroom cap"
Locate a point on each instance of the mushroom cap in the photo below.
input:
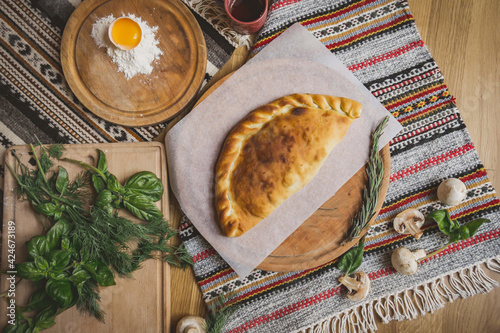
(191, 324)
(451, 191)
(359, 285)
(409, 221)
(404, 261)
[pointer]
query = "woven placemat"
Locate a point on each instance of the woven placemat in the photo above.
(379, 42)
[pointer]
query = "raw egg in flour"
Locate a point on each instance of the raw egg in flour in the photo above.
(125, 33)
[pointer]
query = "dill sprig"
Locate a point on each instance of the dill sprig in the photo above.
(218, 315)
(375, 173)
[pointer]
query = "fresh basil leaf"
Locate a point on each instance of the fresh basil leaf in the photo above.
(37, 246)
(60, 291)
(146, 183)
(28, 270)
(473, 226)
(142, 207)
(102, 163)
(45, 318)
(443, 220)
(99, 183)
(65, 244)
(79, 277)
(62, 181)
(59, 229)
(352, 259)
(467, 230)
(48, 209)
(39, 300)
(100, 272)
(41, 263)
(57, 275)
(59, 260)
(114, 185)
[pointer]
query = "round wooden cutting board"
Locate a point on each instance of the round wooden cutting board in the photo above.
(143, 99)
(320, 238)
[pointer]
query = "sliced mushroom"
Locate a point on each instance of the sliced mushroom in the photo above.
(191, 324)
(405, 261)
(359, 285)
(451, 191)
(409, 222)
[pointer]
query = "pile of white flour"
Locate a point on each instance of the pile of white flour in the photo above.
(140, 59)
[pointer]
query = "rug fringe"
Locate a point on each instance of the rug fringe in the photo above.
(215, 15)
(422, 299)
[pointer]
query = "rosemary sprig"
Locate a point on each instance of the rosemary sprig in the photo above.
(375, 173)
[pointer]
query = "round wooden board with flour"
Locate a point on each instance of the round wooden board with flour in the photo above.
(320, 238)
(144, 99)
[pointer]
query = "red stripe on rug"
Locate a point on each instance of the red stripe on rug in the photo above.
(401, 84)
(204, 254)
(376, 29)
(405, 201)
(424, 129)
(216, 276)
(386, 56)
(431, 162)
(413, 98)
(425, 110)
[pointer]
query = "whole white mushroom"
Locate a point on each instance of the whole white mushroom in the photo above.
(451, 191)
(405, 261)
(191, 324)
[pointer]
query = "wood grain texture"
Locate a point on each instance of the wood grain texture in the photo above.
(463, 37)
(138, 304)
(143, 99)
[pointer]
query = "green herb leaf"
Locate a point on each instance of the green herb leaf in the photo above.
(467, 230)
(79, 277)
(60, 291)
(99, 183)
(142, 207)
(61, 228)
(37, 246)
(48, 209)
(146, 183)
(100, 272)
(352, 259)
(443, 220)
(66, 244)
(28, 270)
(41, 263)
(114, 185)
(39, 300)
(59, 260)
(62, 181)
(102, 163)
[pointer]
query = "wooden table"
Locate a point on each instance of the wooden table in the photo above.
(463, 37)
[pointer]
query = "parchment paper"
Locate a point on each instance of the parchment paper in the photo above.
(295, 62)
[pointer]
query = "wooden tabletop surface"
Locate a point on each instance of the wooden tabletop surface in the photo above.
(463, 37)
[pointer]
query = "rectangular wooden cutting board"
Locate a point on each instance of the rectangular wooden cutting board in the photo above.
(137, 304)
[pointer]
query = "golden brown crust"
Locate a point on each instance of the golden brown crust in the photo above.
(275, 151)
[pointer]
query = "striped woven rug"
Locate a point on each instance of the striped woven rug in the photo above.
(379, 42)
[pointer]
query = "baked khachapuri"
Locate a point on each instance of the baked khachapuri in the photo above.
(274, 152)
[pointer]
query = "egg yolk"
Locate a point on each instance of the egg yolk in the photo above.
(126, 33)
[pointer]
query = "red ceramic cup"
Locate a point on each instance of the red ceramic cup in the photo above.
(247, 16)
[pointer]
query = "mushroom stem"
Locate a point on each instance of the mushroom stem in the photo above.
(359, 285)
(350, 283)
(419, 254)
(413, 229)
